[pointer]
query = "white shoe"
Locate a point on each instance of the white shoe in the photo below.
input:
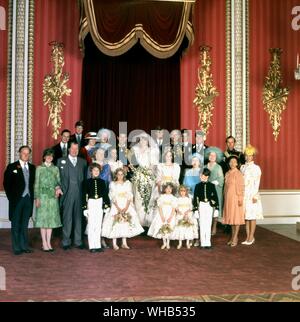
(245, 242)
(251, 243)
(163, 246)
(196, 244)
(179, 246)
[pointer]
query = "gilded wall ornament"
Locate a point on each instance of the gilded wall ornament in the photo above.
(274, 95)
(205, 90)
(55, 87)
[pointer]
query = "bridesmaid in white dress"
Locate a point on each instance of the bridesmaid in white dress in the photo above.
(168, 171)
(164, 221)
(122, 221)
(143, 156)
(253, 206)
(186, 227)
(113, 161)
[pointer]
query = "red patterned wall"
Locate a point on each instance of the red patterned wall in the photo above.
(55, 20)
(3, 81)
(209, 28)
(270, 26)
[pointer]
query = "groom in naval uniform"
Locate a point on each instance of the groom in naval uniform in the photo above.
(72, 172)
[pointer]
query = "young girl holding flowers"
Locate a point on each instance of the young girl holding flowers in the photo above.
(186, 225)
(164, 220)
(122, 221)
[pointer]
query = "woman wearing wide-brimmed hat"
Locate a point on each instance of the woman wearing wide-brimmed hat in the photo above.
(46, 192)
(88, 150)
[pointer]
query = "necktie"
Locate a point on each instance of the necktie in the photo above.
(74, 161)
(78, 138)
(25, 167)
(64, 150)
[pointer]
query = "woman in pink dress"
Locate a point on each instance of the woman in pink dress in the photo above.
(233, 211)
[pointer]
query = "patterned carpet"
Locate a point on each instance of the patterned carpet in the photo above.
(262, 272)
(284, 297)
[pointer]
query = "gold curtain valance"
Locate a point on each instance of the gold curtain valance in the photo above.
(116, 26)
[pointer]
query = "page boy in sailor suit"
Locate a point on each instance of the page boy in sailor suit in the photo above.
(205, 201)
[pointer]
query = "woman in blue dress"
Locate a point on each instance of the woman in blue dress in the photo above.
(192, 176)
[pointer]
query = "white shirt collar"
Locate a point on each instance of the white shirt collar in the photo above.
(62, 144)
(23, 163)
(72, 158)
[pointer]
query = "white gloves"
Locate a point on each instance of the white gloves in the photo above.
(215, 182)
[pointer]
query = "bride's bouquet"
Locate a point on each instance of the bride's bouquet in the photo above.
(143, 179)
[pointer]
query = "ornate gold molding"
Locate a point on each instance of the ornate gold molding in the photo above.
(205, 90)
(274, 95)
(55, 88)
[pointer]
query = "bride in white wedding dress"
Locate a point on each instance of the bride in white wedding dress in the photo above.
(144, 158)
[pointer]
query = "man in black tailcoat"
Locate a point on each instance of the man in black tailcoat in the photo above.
(18, 184)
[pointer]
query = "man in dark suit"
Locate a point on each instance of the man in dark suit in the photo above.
(199, 146)
(78, 136)
(231, 151)
(162, 140)
(18, 184)
(72, 173)
(61, 149)
(187, 152)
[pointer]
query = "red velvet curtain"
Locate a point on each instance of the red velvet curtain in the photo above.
(115, 19)
(135, 87)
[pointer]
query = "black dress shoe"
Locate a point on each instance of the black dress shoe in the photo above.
(27, 251)
(18, 252)
(93, 250)
(80, 246)
(66, 247)
(100, 250)
(208, 247)
(51, 250)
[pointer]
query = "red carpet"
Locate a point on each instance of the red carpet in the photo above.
(148, 271)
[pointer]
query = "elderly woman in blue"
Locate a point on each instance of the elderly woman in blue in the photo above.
(105, 174)
(192, 176)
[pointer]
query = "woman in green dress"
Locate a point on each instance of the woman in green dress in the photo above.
(46, 193)
(214, 156)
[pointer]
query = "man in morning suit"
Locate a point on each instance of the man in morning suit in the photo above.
(18, 184)
(78, 136)
(61, 149)
(72, 173)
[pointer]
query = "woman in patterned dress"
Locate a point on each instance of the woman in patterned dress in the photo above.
(46, 192)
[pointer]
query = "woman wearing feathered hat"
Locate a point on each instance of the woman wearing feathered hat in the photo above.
(214, 156)
(253, 207)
